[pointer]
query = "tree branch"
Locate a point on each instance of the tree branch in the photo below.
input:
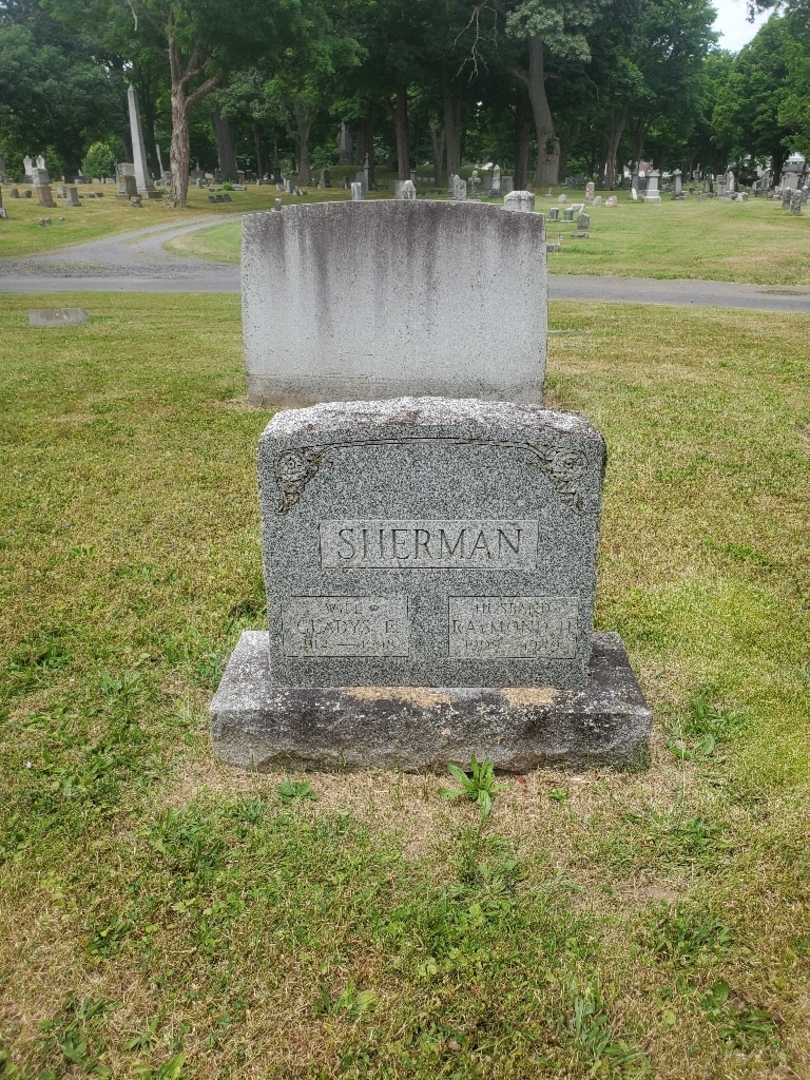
(202, 90)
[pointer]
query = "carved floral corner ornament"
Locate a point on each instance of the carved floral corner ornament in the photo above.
(565, 466)
(293, 470)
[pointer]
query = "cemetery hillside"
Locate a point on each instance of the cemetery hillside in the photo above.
(405, 425)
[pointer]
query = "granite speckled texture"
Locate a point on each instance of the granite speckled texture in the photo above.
(429, 542)
(256, 726)
(378, 299)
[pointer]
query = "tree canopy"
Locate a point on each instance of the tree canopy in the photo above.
(542, 86)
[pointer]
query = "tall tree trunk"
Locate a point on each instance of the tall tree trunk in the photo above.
(257, 143)
(303, 127)
(401, 134)
(226, 158)
(638, 134)
(182, 103)
(548, 145)
(180, 148)
(453, 117)
(437, 146)
(618, 119)
(523, 135)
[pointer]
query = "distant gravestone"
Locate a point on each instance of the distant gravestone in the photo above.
(71, 197)
(597, 201)
(407, 190)
(51, 317)
(357, 191)
(495, 182)
(611, 201)
(418, 612)
(583, 222)
(345, 302)
(507, 184)
(125, 180)
(634, 194)
(521, 201)
(677, 184)
(44, 195)
(28, 166)
(787, 198)
(554, 213)
(652, 194)
(590, 189)
(796, 202)
(562, 199)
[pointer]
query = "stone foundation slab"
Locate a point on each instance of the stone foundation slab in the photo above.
(254, 726)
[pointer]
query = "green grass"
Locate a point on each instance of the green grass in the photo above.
(163, 916)
(21, 234)
(714, 240)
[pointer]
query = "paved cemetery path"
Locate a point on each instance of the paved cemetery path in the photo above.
(137, 261)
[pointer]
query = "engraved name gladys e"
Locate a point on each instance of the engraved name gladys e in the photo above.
(346, 626)
(423, 544)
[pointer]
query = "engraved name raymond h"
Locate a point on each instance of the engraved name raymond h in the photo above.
(423, 544)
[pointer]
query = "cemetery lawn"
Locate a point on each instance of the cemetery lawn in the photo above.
(162, 916)
(22, 235)
(753, 242)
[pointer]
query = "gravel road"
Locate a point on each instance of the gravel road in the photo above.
(137, 261)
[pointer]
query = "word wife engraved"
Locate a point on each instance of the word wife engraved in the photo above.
(425, 544)
(346, 626)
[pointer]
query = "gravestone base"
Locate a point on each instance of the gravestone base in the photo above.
(256, 726)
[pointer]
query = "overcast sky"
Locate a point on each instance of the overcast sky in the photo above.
(732, 25)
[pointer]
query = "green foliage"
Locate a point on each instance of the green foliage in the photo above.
(595, 1038)
(99, 160)
(742, 1025)
(289, 790)
(477, 784)
(686, 934)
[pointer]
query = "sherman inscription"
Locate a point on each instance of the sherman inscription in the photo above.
(429, 545)
(346, 626)
(490, 627)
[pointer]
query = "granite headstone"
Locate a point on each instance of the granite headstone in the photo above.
(420, 612)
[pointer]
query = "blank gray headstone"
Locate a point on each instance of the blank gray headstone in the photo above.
(343, 301)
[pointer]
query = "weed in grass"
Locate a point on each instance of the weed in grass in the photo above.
(706, 726)
(686, 934)
(659, 839)
(351, 1002)
(8, 1070)
(173, 1069)
(476, 783)
(595, 1040)
(289, 790)
(737, 1022)
(72, 1035)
